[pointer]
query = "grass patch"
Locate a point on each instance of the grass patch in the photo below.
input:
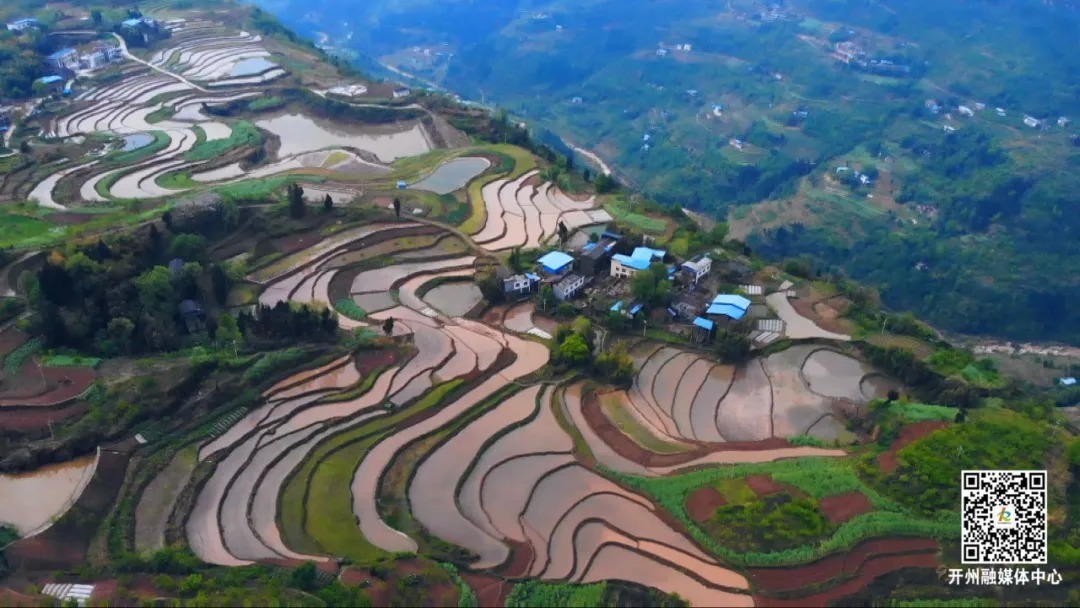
(818, 477)
(350, 309)
(905, 412)
(615, 409)
(317, 500)
(70, 361)
(555, 595)
(177, 180)
(620, 210)
(23, 230)
(273, 362)
(244, 133)
(943, 603)
(161, 114)
(262, 188)
(736, 491)
(663, 335)
(809, 441)
(921, 348)
(265, 103)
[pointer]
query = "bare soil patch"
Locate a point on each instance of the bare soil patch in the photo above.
(61, 384)
(491, 591)
(763, 485)
(39, 417)
(888, 461)
(780, 580)
(873, 568)
(843, 507)
(521, 556)
(823, 315)
(370, 360)
(703, 502)
(10, 339)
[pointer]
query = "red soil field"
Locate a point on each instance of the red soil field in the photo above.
(64, 383)
(369, 361)
(703, 502)
(888, 461)
(10, 339)
(778, 580)
(10, 597)
(38, 417)
(627, 448)
(65, 544)
(872, 569)
(763, 485)
(491, 591)
(843, 507)
(521, 556)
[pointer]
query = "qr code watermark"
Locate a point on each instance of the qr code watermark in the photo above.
(1003, 515)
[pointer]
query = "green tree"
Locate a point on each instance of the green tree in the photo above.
(303, 577)
(547, 296)
(652, 287)
(95, 16)
(188, 247)
(397, 207)
(718, 233)
(564, 233)
(388, 326)
(297, 207)
(604, 183)
(166, 218)
(221, 283)
(328, 204)
(616, 366)
(732, 345)
(156, 292)
(228, 331)
(574, 350)
(514, 260)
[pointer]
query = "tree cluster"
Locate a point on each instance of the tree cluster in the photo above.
(287, 321)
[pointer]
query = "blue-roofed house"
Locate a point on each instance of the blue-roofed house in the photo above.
(629, 265)
(635, 309)
(134, 22)
(518, 285)
(697, 268)
(65, 59)
(703, 329)
(50, 79)
(1067, 381)
(617, 306)
(50, 83)
(729, 305)
(556, 262)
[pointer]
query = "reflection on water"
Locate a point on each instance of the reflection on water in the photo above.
(299, 134)
(136, 141)
(250, 67)
(452, 175)
(454, 299)
(28, 501)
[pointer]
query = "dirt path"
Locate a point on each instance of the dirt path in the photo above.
(127, 53)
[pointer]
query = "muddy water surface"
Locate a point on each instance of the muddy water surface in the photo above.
(299, 134)
(454, 299)
(29, 501)
(452, 175)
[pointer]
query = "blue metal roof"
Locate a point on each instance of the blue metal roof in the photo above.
(704, 323)
(610, 235)
(636, 309)
(50, 79)
(646, 253)
(532, 276)
(635, 263)
(132, 22)
(556, 261)
(62, 53)
(673, 312)
(729, 310)
(588, 247)
(617, 306)
(732, 299)
(609, 247)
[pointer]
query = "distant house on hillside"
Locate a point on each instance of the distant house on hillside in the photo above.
(520, 284)
(661, 52)
(697, 268)
(401, 92)
(728, 306)
(21, 25)
(556, 262)
(1032, 122)
(192, 314)
(569, 286)
(630, 265)
(64, 59)
(966, 111)
(1063, 121)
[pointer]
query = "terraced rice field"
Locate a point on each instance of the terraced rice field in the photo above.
(205, 65)
(521, 214)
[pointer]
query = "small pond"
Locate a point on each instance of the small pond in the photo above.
(452, 175)
(454, 299)
(251, 67)
(136, 141)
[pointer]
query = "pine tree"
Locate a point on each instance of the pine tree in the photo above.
(397, 207)
(327, 204)
(297, 208)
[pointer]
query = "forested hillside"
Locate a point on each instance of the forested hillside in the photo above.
(748, 109)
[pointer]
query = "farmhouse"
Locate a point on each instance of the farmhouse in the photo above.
(556, 262)
(93, 60)
(1031, 121)
(595, 256)
(520, 284)
(402, 92)
(629, 265)
(1063, 122)
(731, 306)
(21, 25)
(51, 83)
(64, 59)
(697, 268)
(569, 286)
(703, 329)
(966, 111)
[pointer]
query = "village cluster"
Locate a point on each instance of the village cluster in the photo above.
(597, 278)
